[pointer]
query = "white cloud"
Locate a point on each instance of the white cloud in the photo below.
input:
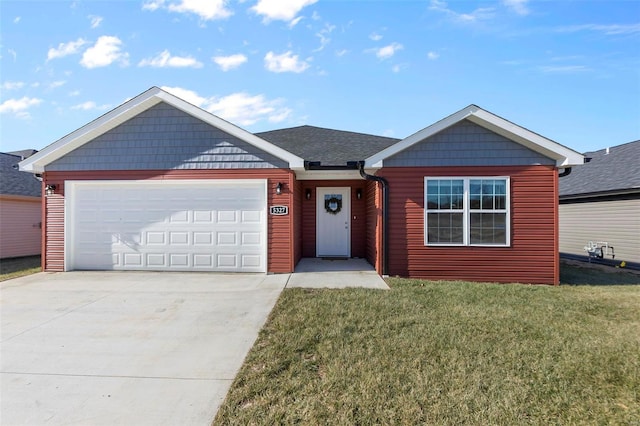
(388, 51)
(323, 34)
(479, 14)
(612, 29)
(19, 107)
(433, 55)
(165, 60)
(12, 85)
(341, 52)
(518, 6)
(106, 51)
(399, 67)
(95, 21)
(282, 10)
(563, 69)
(230, 62)
(65, 49)
(57, 84)
(74, 93)
(244, 109)
(12, 53)
(286, 62)
(238, 108)
(375, 37)
(89, 105)
(295, 21)
(17, 19)
(207, 10)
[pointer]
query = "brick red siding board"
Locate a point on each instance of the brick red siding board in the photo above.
(374, 225)
(532, 256)
(280, 248)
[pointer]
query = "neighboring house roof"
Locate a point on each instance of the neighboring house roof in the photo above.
(563, 156)
(610, 171)
(14, 182)
(37, 162)
(330, 147)
(24, 153)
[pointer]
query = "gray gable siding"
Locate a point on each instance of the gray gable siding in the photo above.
(165, 138)
(466, 144)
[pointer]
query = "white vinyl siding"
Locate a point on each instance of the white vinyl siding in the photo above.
(462, 211)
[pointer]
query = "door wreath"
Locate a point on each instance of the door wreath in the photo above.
(333, 204)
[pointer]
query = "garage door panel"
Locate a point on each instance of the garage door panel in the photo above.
(140, 225)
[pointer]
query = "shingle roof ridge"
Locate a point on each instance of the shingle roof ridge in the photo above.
(329, 129)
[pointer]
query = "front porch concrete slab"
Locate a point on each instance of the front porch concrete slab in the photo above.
(314, 272)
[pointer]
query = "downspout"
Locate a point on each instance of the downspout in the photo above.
(385, 213)
(565, 172)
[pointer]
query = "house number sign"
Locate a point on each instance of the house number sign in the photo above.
(279, 210)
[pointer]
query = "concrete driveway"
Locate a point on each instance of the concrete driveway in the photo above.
(126, 348)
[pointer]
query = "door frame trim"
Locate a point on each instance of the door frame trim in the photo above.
(320, 205)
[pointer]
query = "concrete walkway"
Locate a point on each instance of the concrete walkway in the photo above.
(126, 348)
(314, 272)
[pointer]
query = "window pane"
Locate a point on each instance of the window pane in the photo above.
(445, 228)
(457, 186)
(445, 187)
(432, 187)
(474, 202)
(457, 202)
(501, 202)
(432, 201)
(487, 202)
(475, 186)
(501, 187)
(487, 187)
(488, 228)
(445, 202)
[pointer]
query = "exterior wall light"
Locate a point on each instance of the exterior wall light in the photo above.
(359, 193)
(49, 189)
(307, 193)
(279, 188)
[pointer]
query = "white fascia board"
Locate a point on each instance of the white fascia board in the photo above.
(37, 162)
(564, 157)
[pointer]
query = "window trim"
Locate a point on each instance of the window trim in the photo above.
(466, 211)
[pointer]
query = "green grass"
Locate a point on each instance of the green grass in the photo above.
(444, 353)
(19, 267)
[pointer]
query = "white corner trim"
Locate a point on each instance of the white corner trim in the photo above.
(37, 162)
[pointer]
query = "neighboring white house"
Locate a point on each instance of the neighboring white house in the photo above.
(20, 208)
(600, 203)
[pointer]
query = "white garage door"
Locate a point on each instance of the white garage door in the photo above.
(187, 225)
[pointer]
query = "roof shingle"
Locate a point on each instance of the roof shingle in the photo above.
(330, 147)
(15, 182)
(619, 170)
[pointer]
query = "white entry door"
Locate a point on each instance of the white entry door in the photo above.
(333, 222)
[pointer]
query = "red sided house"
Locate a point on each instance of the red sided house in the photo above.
(159, 184)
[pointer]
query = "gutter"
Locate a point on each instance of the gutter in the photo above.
(385, 214)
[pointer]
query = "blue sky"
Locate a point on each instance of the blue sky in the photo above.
(568, 70)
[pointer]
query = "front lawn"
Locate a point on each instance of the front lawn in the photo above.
(444, 353)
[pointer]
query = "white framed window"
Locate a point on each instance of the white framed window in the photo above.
(467, 211)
